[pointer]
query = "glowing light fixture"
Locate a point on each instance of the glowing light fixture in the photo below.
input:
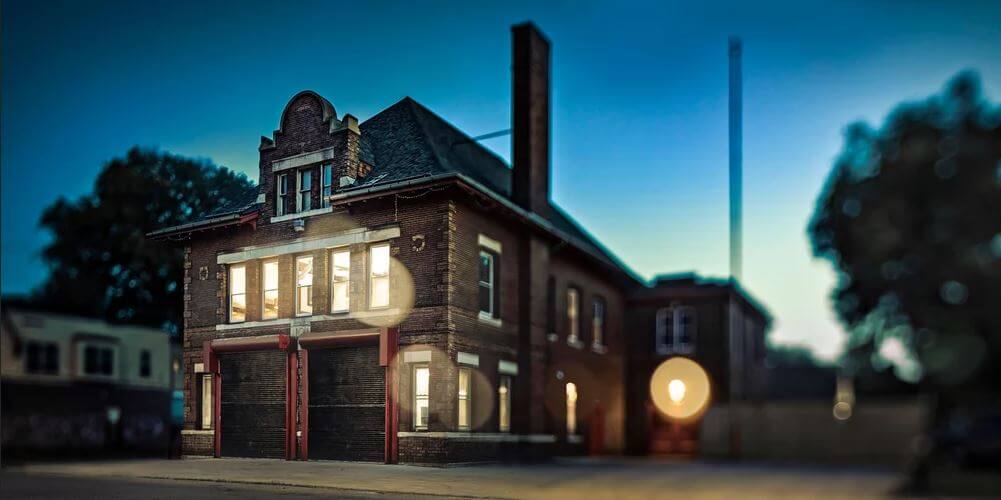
(676, 390)
(680, 389)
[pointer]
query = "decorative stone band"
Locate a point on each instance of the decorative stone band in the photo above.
(497, 437)
(359, 235)
(302, 159)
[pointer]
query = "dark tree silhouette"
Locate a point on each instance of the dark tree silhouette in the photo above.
(100, 262)
(911, 220)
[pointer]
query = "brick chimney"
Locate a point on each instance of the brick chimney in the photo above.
(530, 117)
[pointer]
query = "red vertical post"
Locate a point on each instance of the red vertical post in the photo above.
(388, 348)
(304, 409)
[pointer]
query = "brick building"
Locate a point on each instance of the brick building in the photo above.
(393, 291)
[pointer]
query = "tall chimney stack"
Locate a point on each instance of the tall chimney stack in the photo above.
(530, 117)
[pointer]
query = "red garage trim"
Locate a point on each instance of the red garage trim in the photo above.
(210, 352)
(388, 339)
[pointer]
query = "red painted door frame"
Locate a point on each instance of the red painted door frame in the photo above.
(388, 339)
(211, 350)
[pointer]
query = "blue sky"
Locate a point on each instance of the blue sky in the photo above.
(639, 119)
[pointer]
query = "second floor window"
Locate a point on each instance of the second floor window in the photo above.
(675, 330)
(270, 290)
(305, 200)
(282, 193)
(598, 323)
(327, 184)
(98, 360)
(304, 285)
(379, 276)
(487, 283)
(42, 357)
(340, 277)
(237, 293)
(573, 315)
(145, 364)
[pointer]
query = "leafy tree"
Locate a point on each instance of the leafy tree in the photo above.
(100, 262)
(910, 218)
(790, 355)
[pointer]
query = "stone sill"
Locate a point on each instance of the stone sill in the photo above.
(302, 215)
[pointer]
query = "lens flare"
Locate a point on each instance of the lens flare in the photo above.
(680, 389)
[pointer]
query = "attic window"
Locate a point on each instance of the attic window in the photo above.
(328, 184)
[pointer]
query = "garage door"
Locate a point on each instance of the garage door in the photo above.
(347, 397)
(253, 404)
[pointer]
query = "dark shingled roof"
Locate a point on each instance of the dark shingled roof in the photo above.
(407, 141)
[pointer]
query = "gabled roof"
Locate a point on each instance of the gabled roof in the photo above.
(408, 140)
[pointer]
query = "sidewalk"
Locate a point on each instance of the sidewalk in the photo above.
(580, 478)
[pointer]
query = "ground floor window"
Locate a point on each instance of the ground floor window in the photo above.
(463, 398)
(504, 403)
(422, 382)
(206, 403)
(571, 409)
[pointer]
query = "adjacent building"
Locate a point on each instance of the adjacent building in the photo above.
(74, 385)
(393, 291)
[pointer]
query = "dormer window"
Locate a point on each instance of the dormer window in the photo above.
(305, 200)
(282, 200)
(327, 184)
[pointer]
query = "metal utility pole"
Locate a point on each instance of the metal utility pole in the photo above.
(736, 154)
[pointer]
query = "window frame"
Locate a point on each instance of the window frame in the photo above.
(573, 314)
(571, 408)
(299, 310)
(418, 423)
(301, 175)
(206, 402)
(326, 185)
(505, 386)
(464, 401)
(372, 277)
(100, 349)
(334, 280)
(46, 359)
(668, 341)
(489, 285)
(598, 321)
(264, 288)
(145, 363)
(242, 267)
(281, 194)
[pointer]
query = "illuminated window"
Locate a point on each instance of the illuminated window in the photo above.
(487, 280)
(340, 276)
(571, 409)
(379, 276)
(270, 290)
(464, 398)
(676, 328)
(41, 358)
(305, 200)
(237, 293)
(327, 183)
(422, 381)
(282, 200)
(304, 285)
(598, 323)
(145, 364)
(573, 315)
(504, 403)
(205, 416)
